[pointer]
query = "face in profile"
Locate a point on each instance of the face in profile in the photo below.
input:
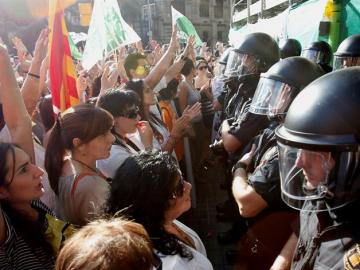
(316, 167)
(23, 181)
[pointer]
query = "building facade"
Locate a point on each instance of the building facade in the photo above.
(211, 19)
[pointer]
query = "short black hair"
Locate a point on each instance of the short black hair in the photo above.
(131, 62)
(188, 67)
(115, 101)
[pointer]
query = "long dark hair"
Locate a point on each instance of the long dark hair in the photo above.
(138, 87)
(85, 122)
(142, 190)
(33, 232)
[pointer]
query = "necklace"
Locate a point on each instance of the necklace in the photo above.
(95, 170)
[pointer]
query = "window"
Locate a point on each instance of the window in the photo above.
(204, 8)
(205, 36)
(219, 36)
(179, 5)
(219, 8)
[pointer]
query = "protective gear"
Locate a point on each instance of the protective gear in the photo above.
(225, 56)
(348, 53)
(255, 54)
(281, 83)
(289, 47)
(320, 52)
(319, 143)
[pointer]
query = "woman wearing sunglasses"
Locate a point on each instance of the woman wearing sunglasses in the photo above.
(131, 134)
(149, 189)
(203, 75)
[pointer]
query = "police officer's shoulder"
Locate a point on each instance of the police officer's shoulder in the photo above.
(352, 258)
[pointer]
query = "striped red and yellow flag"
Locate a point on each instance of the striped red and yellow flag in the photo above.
(62, 69)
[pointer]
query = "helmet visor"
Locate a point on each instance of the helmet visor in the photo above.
(345, 62)
(315, 56)
(240, 64)
(322, 178)
(271, 97)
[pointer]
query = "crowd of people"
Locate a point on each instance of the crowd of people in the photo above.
(102, 184)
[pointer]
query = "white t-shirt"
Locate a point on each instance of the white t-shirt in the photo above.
(118, 154)
(199, 261)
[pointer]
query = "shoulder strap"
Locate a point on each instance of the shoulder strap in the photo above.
(77, 180)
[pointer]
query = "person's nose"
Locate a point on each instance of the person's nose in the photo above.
(36, 171)
(187, 185)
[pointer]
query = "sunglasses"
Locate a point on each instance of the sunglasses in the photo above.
(203, 67)
(131, 114)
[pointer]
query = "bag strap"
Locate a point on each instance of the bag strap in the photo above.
(77, 180)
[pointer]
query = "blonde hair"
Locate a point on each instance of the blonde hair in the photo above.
(107, 245)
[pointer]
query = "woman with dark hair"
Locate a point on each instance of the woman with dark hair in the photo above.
(81, 136)
(131, 134)
(149, 189)
(23, 243)
(163, 140)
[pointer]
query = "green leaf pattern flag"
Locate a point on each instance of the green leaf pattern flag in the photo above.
(107, 32)
(184, 27)
(74, 50)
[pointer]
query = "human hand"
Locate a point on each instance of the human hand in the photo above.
(174, 43)
(109, 76)
(193, 111)
(248, 157)
(189, 46)
(180, 126)
(22, 51)
(146, 133)
(41, 45)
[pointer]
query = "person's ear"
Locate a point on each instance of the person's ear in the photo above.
(76, 142)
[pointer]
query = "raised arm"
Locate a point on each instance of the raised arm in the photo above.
(164, 63)
(16, 117)
(31, 89)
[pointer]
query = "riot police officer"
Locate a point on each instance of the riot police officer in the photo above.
(256, 183)
(321, 53)
(319, 168)
(348, 53)
(289, 47)
(256, 53)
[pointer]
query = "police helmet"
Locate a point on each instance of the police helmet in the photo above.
(281, 83)
(348, 53)
(256, 53)
(289, 47)
(319, 51)
(225, 56)
(319, 143)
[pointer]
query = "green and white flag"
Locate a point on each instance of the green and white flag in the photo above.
(107, 31)
(184, 27)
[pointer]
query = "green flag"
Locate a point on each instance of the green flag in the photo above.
(184, 27)
(74, 50)
(107, 31)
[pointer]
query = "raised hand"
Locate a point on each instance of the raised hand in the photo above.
(193, 111)
(146, 133)
(41, 45)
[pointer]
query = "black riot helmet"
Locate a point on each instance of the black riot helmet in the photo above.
(256, 53)
(289, 47)
(225, 56)
(281, 83)
(319, 143)
(319, 51)
(348, 53)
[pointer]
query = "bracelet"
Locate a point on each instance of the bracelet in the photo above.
(33, 75)
(239, 165)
